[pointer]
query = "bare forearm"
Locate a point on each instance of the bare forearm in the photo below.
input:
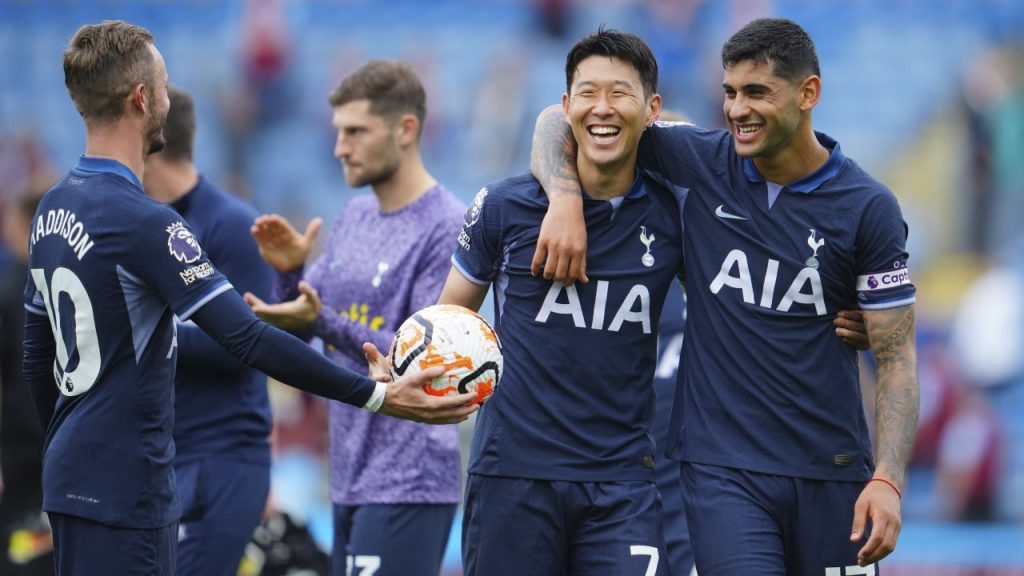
(553, 157)
(897, 393)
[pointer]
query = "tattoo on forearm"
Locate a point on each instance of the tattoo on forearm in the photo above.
(553, 160)
(897, 393)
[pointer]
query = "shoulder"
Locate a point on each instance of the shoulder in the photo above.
(226, 204)
(523, 188)
(853, 174)
(864, 189)
(689, 134)
(448, 202)
(657, 187)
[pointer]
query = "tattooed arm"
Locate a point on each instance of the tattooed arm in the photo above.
(562, 244)
(892, 335)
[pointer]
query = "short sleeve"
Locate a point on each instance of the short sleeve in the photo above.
(169, 258)
(883, 277)
(476, 255)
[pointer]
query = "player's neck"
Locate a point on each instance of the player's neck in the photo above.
(168, 182)
(117, 141)
(606, 182)
(405, 186)
(802, 157)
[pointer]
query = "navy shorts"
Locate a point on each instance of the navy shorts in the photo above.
(526, 527)
(677, 532)
(82, 546)
(744, 523)
(221, 504)
(390, 539)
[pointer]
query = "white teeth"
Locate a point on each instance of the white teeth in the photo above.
(749, 129)
(604, 130)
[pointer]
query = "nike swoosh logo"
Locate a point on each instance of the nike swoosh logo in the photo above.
(723, 214)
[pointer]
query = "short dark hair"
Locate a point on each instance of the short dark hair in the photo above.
(180, 127)
(778, 41)
(392, 87)
(614, 44)
(101, 65)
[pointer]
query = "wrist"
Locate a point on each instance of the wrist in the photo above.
(890, 483)
(567, 199)
(377, 398)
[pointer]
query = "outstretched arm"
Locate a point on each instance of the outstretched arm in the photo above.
(282, 356)
(457, 290)
(562, 245)
(892, 335)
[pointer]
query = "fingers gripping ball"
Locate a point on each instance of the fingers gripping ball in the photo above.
(456, 338)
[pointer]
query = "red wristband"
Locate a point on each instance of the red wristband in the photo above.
(893, 486)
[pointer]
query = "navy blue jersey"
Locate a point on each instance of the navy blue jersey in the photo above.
(767, 386)
(111, 267)
(221, 405)
(576, 401)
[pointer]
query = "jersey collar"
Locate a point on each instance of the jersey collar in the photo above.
(91, 165)
(812, 181)
(636, 190)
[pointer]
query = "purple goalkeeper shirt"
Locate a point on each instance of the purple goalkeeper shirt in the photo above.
(376, 270)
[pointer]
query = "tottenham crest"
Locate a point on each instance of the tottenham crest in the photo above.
(815, 244)
(182, 244)
(647, 259)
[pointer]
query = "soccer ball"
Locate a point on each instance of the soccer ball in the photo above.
(456, 338)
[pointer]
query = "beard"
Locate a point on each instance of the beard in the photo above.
(381, 174)
(154, 137)
(157, 144)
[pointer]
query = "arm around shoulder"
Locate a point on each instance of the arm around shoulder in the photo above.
(562, 245)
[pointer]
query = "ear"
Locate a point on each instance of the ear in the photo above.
(407, 129)
(810, 92)
(653, 109)
(565, 103)
(138, 98)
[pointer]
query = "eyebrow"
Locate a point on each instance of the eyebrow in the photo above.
(748, 87)
(589, 83)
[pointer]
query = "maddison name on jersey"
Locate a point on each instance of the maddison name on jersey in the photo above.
(65, 224)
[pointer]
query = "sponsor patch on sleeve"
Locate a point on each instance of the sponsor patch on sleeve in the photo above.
(471, 217)
(883, 280)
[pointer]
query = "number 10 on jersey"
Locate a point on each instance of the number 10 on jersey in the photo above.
(66, 287)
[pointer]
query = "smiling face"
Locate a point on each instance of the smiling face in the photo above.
(608, 112)
(367, 145)
(763, 110)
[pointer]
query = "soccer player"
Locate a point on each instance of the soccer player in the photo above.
(562, 467)
(394, 485)
(221, 407)
(109, 268)
(781, 231)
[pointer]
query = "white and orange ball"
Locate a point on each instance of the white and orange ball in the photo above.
(456, 338)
